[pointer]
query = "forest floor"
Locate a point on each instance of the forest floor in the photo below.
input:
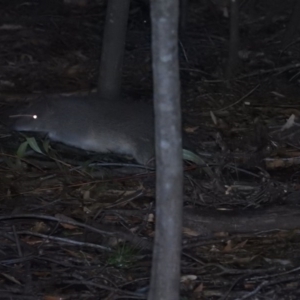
(75, 227)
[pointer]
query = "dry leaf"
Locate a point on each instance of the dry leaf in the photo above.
(191, 129)
(86, 195)
(189, 232)
(199, 288)
(150, 218)
(40, 227)
(228, 247)
(13, 279)
(185, 278)
(213, 117)
(289, 123)
(54, 298)
(241, 245)
(65, 225)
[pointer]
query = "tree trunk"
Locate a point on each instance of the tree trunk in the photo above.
(113, 47)
(165, 276)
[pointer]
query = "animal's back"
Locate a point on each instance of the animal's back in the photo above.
(86, 123)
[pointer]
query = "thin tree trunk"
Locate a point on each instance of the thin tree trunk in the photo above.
(165, 276)
(113, 47)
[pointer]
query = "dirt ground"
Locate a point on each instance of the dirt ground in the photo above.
(81, 226)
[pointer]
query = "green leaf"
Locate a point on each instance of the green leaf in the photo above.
(34, 145)
(195, 158)
(22, 149)
(46, 146)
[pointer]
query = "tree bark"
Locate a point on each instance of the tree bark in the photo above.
(113, 48)
(165, 276)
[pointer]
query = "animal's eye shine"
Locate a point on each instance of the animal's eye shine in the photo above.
(22, 116)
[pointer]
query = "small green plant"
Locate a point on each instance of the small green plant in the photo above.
(123, 257)
(30, 142)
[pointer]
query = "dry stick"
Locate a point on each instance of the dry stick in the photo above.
(65, 241)
(279, 70)
(62, 220)
(240, 100)
(165, 276)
